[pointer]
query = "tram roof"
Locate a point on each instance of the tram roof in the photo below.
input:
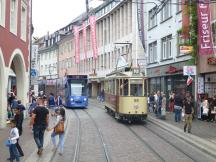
(125, 74)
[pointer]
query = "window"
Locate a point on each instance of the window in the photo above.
(166, 47)
(214, 33)
(13, 16)
(153, 52)
(23, 21)
(2, 12)
(136, 87)
(179, 6)
(166, 11)
(152, 18)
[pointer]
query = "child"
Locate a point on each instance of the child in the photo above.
(14, 135)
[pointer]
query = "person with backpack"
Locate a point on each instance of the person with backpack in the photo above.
(58, 130)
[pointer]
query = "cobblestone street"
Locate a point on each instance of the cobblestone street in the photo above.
(92, 135)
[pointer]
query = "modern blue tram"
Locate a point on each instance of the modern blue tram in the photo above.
(76, 91)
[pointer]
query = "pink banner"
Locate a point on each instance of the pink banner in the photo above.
(204, 28)
(84, 40)
(77, 44)
(92, 20)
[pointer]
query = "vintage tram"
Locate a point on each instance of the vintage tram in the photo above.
(126, 95)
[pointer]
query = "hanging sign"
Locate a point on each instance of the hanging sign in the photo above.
(186, 49)
(189, 70)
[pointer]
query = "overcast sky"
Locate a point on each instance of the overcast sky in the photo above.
(51, 15)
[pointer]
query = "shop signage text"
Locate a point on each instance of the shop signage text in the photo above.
(211, 61)
(204, 29)
(186, 49)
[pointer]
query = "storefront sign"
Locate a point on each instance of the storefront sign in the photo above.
(186, 49)
(176, 68)
(189, 70)
(211, 61)
(204, 29)
(200, 85)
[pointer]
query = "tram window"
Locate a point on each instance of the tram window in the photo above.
(136, 88)
(124, 87)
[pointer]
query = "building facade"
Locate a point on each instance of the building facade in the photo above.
(165, 61)
(48, 67)
(14, 51)
(117, 38)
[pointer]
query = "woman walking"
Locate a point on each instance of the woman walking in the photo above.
(58, 129)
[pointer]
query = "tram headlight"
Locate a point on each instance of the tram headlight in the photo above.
(84, 99)
(72, 99)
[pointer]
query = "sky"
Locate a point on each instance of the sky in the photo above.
(51, 15)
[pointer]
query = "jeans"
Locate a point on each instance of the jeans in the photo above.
(14, 153)
(61, 141)
(39, 135)
(178, 111)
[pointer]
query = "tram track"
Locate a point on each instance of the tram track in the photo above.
(178, 148)
(78, 138)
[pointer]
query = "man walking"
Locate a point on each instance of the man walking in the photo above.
(178, 104)
(19, 121)
(40, 121)
(188, 110)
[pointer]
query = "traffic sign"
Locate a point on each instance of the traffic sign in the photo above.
(33, 72)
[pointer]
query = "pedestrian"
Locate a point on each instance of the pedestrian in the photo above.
(19, 121)
(14, 104)
(171, 102)
(14, 135)
(158, 103)
(51, 103)
(188, 111)
(40, 121)
(60, 119)
(151, 102)
(20, 106)
(102, 96)
(178, 104)
(59, 102)
(212, 107)
(163, 106)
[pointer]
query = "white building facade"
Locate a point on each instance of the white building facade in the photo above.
(117, 37)
(165, 62)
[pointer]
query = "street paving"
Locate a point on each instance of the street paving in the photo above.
(124, 142)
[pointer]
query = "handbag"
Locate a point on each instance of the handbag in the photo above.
(59, 128)
(7, 143)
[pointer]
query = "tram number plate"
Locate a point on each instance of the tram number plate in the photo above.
(136, 100)
(136, 106)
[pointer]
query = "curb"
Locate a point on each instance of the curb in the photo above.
(204, 145)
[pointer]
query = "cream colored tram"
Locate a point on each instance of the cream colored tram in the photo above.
(126, 96)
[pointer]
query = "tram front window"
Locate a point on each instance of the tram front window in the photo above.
(77, 89)
(136, 88)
